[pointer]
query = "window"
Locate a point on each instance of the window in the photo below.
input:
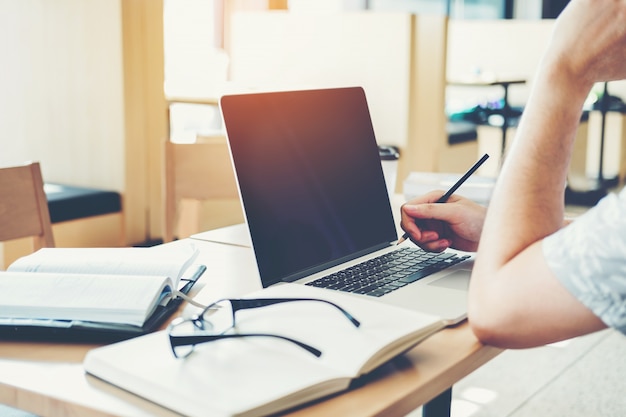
(195, 66)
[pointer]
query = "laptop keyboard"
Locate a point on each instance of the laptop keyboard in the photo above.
(388, 272)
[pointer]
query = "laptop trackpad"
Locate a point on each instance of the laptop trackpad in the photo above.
(457, 280)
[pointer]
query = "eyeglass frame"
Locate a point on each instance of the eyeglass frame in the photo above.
(236, 305)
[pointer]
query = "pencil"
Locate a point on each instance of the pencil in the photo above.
(452, 189)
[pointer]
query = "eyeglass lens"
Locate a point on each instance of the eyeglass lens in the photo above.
(215, 320)
(218, 318)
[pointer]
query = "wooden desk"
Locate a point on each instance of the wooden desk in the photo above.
(48, 379)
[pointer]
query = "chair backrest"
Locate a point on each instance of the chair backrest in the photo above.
(197, 171)
(23, 206)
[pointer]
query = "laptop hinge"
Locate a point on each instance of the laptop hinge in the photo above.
(310, 271)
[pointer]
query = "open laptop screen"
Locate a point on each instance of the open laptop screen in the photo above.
(310, 178)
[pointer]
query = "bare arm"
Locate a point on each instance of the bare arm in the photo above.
(515, 300)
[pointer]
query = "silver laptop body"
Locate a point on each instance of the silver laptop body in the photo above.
(314, 195)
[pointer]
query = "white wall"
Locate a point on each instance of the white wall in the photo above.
(528, 9)
(61, 84)
(504, 48)
(285, 50)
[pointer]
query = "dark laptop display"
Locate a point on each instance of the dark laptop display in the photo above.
(317, 207)
(310, 194)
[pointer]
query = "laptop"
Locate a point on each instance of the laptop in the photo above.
(315, 201)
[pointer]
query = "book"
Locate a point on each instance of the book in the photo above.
(114, 289)
(125, 299)
(257, 376)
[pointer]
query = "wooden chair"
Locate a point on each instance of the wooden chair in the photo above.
(197, 172)
(24, 207)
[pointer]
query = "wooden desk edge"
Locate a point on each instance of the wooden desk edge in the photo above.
(396, 388)
(418, 377)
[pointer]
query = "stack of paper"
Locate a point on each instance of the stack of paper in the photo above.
(477, 188)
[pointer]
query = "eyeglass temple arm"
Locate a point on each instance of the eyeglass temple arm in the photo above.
(194, 340)
(239, 304)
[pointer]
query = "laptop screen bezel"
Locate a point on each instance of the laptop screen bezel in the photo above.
(254, 124)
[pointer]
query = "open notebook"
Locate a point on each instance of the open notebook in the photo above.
(258, 376)
(94, 294)
(315, 200)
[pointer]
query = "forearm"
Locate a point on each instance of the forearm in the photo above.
(512, 288)
(515, 298)
(528, 202)
(587, 46)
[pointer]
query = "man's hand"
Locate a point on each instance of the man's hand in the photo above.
(435, 227)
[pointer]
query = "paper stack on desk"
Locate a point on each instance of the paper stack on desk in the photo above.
(477, 188)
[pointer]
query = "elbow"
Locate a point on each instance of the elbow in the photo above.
(491, 320)
(480, 313)
(486, 331)
(497, 325)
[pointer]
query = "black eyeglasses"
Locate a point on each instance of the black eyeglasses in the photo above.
(218, 318)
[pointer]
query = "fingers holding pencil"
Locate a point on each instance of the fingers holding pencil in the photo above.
(435, 226)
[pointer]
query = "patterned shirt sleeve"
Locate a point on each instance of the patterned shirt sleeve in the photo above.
(589, 258)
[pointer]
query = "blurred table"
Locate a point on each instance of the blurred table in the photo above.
(505, 83)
